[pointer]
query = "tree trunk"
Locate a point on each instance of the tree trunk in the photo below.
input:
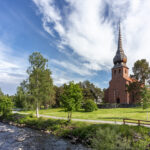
(69, 115)
(37, 110)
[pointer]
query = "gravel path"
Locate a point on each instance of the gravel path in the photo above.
(15, 138)
(87, 120)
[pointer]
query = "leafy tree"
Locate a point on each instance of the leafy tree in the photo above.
(5, 106)
(71, 98)
(47, 89)
(135, 90)
(145, 100)
(22, 98)
(1, 93)
(90, 91)
(90, 106)
(141, 70)
(40, 81)
(58, 93)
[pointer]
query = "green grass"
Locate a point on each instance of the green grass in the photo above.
(114, 114)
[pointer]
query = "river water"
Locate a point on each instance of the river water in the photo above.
(15, 138)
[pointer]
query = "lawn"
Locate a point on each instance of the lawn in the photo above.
(114, 114)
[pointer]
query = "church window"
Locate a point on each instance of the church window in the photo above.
(119, 70)
(125, 71)
(114, 71)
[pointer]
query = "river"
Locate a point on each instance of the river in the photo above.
(15, 138)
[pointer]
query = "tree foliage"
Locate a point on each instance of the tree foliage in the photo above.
(90, 91)
(71, 98)
(58, 92)
(90, 106)
(1, 93)
(135, 90)
(5, 105)
(145, 97)
(141, 70)
(22, 99)
(40, 81)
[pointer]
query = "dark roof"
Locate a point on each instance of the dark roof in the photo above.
(120, 58)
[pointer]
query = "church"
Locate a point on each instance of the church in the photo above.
(117, 91)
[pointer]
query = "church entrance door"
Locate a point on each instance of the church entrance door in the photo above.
(118, 100)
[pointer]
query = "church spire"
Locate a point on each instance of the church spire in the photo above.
(119, 40)
(120, 59)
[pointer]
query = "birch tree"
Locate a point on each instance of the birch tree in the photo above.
(40, 81)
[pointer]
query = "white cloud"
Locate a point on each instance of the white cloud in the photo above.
(60, 77)
(137, 31)
(90, 29)
(82, 70)
(12, 69)
(50, 15)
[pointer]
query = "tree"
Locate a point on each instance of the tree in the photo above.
(40, 81)
(47, 89)
(1, 93)
(22, 98)
(58, 93)
(141, 70)
(145, 100)
(90, 91)
(71, 98)
(135, 90)
(5, 106)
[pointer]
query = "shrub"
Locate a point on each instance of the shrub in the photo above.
(90, 106)
(110, 140)
(5, 106)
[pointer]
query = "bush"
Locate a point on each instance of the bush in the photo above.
(110, 139)
(5, 106)
(90, 106)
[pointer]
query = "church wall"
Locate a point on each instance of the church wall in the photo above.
(117, 86)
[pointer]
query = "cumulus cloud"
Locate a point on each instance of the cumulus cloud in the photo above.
(83, 70)
(90, 28)
(12, 69)
(61, 76)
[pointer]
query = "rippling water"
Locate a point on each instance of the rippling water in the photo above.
(15, 138)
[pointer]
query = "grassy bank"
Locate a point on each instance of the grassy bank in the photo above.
(99, 136)
(115, 114)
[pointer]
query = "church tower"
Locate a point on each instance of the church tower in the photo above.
(116, 93)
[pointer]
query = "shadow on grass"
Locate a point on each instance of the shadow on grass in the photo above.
(116, 118)
(62, 110)
(144, 111)
(81, 111)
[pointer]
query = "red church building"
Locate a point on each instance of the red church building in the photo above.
(117, 93)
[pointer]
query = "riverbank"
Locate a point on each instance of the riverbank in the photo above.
(15, 138)
(98, 136)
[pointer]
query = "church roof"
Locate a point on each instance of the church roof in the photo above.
(120, 58)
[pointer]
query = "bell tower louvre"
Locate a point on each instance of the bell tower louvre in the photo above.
(116, 93)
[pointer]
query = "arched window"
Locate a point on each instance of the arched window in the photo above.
(119, 70)
(114, 72)
(125, 71)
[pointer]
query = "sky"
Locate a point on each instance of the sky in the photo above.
(78, 37)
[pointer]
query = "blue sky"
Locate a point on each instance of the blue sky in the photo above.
(78, 37)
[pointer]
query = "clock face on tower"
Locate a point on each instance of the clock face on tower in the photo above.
(124, 60)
